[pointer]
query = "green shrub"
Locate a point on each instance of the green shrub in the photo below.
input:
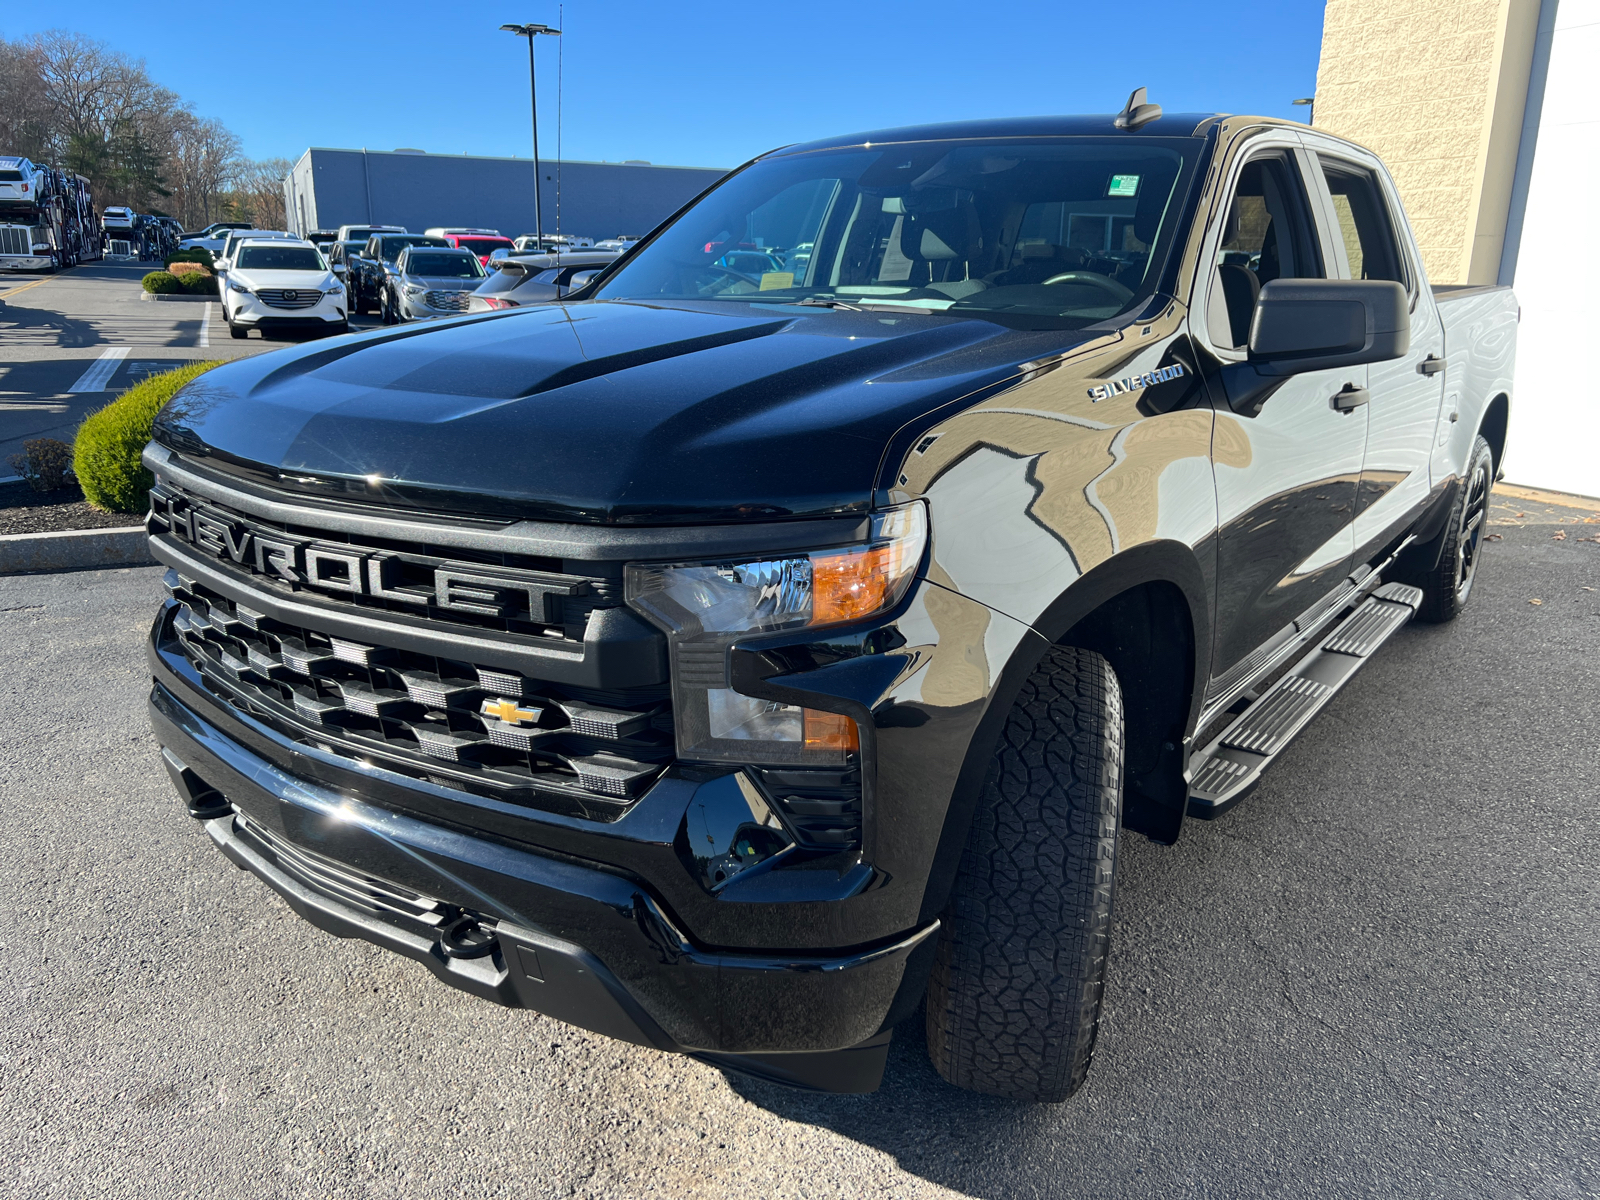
(198, 283)
(43, 463)
(198, 254)
(106, 452)
(161, 283)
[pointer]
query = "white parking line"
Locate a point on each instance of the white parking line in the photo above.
(100, 373)
(205, 326)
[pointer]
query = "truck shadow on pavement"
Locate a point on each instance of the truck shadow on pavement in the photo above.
(21, 326)
(949, 1137)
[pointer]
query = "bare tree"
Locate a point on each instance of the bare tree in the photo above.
(24, 113)
(258, 192)
(79, 104)
(205, 162)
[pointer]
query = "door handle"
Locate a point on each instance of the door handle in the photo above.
(1432, 365)
(1350, 397)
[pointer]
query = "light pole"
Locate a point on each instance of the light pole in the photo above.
(1310, 105)
(530, 32)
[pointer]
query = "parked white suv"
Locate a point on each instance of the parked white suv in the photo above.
(232, 240)
(118, 222)
(282, 284)
(360, 233)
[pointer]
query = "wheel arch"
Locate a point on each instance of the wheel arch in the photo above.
(1494, 426)
(1162, 585)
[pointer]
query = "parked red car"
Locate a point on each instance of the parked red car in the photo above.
(481, 244)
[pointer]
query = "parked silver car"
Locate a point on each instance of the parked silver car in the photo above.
(430, 281)
(534, 278)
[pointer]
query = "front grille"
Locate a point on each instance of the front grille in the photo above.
(14, 240)
(484, 730)
(289, 297)
(339, 571)
(448, 301)
(395, 904)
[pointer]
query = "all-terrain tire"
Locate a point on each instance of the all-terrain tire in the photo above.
(1448, 586)
(1014, 997)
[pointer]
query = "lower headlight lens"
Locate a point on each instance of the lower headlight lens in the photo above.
(704, 608)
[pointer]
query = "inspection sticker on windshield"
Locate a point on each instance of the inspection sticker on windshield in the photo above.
(771, 281)
(1123, 185)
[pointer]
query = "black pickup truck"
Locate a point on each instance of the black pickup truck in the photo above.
(781, 631)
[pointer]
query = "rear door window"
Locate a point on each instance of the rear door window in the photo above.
(1364, 225)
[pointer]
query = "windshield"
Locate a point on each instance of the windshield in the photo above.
(390, 247)
(444, 266)
(1042, 234)
(482, 246)
(280, 258)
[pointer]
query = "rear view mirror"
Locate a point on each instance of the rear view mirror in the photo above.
(1317, 324)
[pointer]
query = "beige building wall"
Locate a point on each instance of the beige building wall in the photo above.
(1437, 89)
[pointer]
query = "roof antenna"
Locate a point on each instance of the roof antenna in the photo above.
(1137, 112)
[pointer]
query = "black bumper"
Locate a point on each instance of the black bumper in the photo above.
(578, 942)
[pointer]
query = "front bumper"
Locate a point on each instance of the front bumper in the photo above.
(24, 262)
(579, 942)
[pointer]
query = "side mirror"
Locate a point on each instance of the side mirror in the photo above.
(1318, 324)
(340, 270)
(581, 279)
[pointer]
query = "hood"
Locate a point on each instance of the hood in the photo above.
(603, 411)
(443, 283)
(305, 281)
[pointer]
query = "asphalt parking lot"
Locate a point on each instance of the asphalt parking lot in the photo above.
(72, 342)
(1374, 978)
(1377, 977)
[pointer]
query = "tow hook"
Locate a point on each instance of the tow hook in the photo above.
(465, 938)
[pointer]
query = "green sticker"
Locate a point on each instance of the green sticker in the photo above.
(1123, 185)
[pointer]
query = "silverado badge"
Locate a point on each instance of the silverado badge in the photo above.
(1115, 387)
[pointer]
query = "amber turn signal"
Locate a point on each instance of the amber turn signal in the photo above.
(830, 731)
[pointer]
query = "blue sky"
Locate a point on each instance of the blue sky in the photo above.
(696, 83)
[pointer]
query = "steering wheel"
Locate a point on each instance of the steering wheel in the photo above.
(739, 275)
(1105, 283)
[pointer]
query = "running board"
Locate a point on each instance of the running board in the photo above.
(1227, 770)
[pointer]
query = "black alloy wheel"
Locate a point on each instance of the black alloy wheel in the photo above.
(1446, 588)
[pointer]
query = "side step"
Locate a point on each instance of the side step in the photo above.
(1227, 770)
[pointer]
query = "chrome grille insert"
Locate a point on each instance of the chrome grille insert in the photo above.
(291, 298)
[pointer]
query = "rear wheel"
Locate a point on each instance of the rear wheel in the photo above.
(1014, 998)
(1446, 588)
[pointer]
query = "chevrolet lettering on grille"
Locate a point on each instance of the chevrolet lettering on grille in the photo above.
(350, 570)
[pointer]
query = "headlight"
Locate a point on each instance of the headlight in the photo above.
(415, 289)
(235, 286)
(705, 608)
(336, 290)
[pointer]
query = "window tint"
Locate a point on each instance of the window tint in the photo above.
(280, 258)
(444, 266)
(1364, 227)
(1266, 236)
(1037, 234)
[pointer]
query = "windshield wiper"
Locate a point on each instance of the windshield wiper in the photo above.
(826, 302)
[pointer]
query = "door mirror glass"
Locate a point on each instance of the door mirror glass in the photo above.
(1316, 324)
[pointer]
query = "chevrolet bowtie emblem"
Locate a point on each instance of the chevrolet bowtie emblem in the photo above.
(507, 711)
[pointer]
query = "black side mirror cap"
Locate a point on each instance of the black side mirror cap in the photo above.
(1318, 324)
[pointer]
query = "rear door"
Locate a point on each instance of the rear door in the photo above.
(1368, 231)
(1287, 466)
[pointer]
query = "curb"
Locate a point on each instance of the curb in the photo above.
(22, 552)
(176, 296)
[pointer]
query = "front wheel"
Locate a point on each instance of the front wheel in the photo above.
(1014, 998)
(1446, 588)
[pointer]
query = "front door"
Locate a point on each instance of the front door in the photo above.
(1404, 406)
(1287, 463)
